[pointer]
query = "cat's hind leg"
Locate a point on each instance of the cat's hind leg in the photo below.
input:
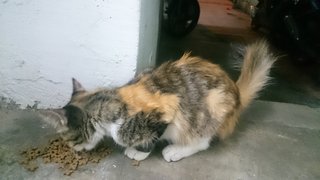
(175, 152)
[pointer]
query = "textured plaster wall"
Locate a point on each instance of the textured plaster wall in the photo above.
(43, 44)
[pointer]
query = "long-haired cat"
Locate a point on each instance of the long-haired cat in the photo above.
(186, 102)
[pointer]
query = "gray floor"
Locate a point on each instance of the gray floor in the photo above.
(272, 141)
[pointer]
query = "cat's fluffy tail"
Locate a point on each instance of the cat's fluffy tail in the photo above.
(254, 71)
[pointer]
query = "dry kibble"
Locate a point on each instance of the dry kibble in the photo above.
(135, 163)
(95, 160)
(24, 161)
(68, 172)
(46, 160)
(30, 166)
(58, 152)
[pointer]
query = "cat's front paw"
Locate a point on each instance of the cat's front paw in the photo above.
(173, 153)
(83, 146)
(132, 153)
(78, 147)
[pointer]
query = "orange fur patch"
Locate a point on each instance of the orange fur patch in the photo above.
(201, 65)
(186, 59)
(228, 126)
(217, 102)
(138, 98)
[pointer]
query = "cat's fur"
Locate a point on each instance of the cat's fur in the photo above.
(187, 102)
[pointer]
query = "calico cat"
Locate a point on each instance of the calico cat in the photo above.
(186, 102)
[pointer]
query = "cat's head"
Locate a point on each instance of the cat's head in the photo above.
(71, 121)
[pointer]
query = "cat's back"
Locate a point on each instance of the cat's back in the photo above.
(187, 73)
(181, 77)
(175, 84)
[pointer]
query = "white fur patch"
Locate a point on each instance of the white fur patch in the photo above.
(79, 147)
(95, 139)
(110, 130)
(171, 133)
(102, 129)
(113, 129)
(132, 153)
(175, 132)
(176, 152)
(91, 144)
(216, 101)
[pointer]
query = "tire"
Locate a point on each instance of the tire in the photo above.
(181, 17)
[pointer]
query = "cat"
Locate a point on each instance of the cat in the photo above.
(186, 102)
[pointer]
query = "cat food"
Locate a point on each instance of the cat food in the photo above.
(59, 152)
(135, 163)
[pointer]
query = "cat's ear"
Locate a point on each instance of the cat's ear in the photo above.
(77, 87)
(55, 117)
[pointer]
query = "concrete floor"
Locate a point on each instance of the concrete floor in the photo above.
(278, 137)
(272, 141)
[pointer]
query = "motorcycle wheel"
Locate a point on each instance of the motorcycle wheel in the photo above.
(181, 17)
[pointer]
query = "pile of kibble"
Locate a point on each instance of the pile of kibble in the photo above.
(57, 151)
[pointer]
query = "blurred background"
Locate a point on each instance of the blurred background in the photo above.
(291, 27)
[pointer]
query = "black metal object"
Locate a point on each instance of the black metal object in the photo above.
(180, 17)
(292, 24)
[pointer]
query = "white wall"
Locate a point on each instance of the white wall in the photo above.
(43, 43)
(149, 33)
